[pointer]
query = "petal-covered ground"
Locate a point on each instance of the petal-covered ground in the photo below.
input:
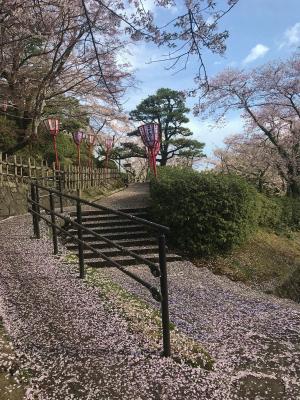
(254, 338)
(76, 345)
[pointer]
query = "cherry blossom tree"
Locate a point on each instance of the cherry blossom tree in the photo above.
(46, 51)
(57, 47)
(269, 100)
(254, 159)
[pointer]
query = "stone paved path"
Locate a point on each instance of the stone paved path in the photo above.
(77, 346)
(135, 196)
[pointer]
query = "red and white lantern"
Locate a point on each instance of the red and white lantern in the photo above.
(78, 138)
(53, 126)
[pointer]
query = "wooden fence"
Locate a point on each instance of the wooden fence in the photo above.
(14, 170)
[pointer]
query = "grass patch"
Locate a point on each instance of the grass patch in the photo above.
(13, 379)
(144, 319)
(70, 259)
(266, 258)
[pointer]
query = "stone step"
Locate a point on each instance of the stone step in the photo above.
(104, 217)
(112, 229)
(115, 236)
(131, 211)
(107, 223)
(129, 261)
(113, 252)
(122, 242)
(122, 231)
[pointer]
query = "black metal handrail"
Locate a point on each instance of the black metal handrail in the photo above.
(160, 270)
(153, 267)
(142, 221)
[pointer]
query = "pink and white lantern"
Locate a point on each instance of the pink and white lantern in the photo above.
(78, 137)
(150, 135)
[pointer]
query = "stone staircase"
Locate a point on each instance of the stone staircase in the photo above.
(125, 232)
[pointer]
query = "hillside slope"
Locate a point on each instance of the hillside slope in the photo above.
(267, 261)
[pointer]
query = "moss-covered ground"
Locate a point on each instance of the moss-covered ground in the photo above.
(143, 319)
(267, 261)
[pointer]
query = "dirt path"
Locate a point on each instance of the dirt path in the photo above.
(77, 346)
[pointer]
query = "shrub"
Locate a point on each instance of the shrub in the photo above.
(111, 164)
(290, 212)
(269, 211)
(8, 133)
(279, 213)
(208, 213)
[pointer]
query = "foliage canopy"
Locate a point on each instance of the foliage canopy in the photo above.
(167, 108)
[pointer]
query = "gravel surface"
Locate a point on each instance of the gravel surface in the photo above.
(79, 347)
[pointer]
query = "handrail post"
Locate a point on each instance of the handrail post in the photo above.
(37, 199)
(35, 218)
(80, 245)
(164, 294)
(54, 231)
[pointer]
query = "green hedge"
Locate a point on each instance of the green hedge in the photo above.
(208, 213)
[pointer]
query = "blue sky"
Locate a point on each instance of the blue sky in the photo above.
(260, 31)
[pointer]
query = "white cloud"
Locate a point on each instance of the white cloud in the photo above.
(139, 56)
(213, 135)
(291, 36)
(256, 52)
(210, 20)
(149, 5)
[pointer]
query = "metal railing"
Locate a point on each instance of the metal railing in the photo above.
(158, 270)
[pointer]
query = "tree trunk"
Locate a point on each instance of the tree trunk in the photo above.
(164, 154)
(293, 188)
(164, 159)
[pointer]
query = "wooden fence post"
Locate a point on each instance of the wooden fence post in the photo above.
(74, 178)
(1, 170)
